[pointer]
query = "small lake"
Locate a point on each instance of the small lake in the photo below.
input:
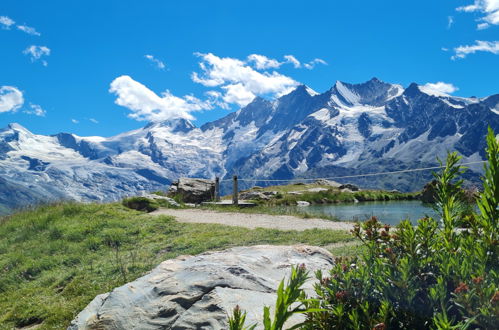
(390, 212)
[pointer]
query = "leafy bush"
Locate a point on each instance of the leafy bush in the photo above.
(141, 204)
(433, 276)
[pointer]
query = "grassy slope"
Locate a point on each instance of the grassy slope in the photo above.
(55, 259)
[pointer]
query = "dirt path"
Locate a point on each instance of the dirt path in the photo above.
(251, 220)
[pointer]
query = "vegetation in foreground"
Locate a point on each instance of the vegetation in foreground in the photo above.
(427, 277)
(55, 259)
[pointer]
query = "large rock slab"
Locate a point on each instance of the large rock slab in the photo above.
(193, 190)
(198, 292)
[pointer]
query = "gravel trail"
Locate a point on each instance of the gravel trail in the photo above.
(252, 220)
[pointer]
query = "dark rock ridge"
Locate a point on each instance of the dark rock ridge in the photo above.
(350, 129)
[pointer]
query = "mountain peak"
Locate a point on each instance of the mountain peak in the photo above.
(175, 125)
(17, 127)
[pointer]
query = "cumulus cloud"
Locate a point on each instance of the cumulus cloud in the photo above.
(291, 59)
(37, 52)
(11, 99)
(144, 104)
(262, 62)
(74, 121)
(239, 80)
(6, 22)
(489, 10)
(479, 46)
(28, 30)
(35, 109)
(442, 87)
(158, 63)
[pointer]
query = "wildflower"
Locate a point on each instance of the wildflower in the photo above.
(344, 267)
(387, 228)
(388, 251)
(463, 287)
(325, 281)
(341, 295)
(495, 298)
(477, 280)
(379, 326)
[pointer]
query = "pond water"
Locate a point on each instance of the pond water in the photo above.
(390, 212)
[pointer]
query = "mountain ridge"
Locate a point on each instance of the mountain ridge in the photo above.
(350, 128)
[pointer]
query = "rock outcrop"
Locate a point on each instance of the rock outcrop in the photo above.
(193, 190)
(198, 292)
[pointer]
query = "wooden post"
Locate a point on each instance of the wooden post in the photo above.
(217, 189)
(235, 197)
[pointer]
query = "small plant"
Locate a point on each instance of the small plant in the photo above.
(141, 204)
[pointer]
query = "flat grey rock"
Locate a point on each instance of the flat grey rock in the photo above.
(199, 292)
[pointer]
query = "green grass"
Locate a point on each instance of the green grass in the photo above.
(55, 259)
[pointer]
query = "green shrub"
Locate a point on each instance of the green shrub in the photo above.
(141, 204)
(433, 276)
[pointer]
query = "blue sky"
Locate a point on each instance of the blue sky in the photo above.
(82, 66)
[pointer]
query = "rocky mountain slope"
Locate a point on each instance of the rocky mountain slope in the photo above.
(349, 129)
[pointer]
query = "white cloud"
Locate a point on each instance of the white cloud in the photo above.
(489, 9)
(147, 105)
(262, 62)
(479, 46)
(450, 21)
(28, 30)
(239, 80)
(74, 121)
(6, 22)
(441, 87)
(291, 59)
(95, 121)
(37, 52)
(36, 110)
(11, 99)
(310, 65)
(158, 63)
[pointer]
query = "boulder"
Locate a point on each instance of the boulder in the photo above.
(198, 292)
(302, 203)
(253, 195)
(324, 182)
(318, 189)
(349, 186)
(169, 200)
(193, 190)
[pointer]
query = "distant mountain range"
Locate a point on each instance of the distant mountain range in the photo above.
(349, 129)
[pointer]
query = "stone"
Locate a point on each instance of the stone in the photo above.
(302, 203)
(295, 193)
(169, 200)
(199, 292)
(253, 195)
(193, 190)
(324, 182)
(317, 189)
(349, 186)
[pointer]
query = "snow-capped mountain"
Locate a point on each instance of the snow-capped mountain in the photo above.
(349, 129)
